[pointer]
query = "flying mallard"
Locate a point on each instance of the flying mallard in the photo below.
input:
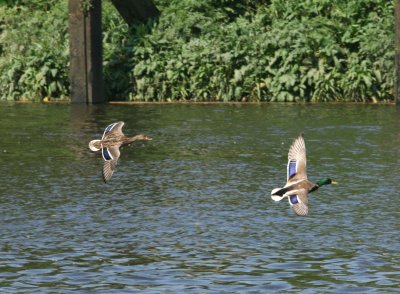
(112, 139)
(297, 186)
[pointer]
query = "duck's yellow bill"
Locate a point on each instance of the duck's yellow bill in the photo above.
(334, 183)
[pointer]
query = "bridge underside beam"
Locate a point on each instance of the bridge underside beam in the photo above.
(136, 10)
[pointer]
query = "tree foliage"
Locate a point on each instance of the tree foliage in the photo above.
(253, 50)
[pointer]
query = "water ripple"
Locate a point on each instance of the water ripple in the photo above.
(190, 211)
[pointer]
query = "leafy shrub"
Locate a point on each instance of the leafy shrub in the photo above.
(240, 50)
(34, 52)
(286, 51)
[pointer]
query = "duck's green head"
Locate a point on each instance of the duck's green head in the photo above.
(326, 181)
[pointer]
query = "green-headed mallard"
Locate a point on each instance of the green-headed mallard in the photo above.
(297, 186)
(112, 139)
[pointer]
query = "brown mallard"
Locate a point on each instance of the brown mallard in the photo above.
(298, 186)
(113, 138)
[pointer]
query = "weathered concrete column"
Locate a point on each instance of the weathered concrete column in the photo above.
(86, 50)
(85, 35)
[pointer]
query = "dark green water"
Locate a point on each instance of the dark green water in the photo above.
(190, 211)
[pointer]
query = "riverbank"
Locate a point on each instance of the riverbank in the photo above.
(67, 102)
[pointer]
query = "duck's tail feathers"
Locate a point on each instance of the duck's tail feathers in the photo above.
(92, 145)
(277, 198)
(277, 194)
(274, 191)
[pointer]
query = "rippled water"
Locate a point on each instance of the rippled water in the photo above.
(191, 211)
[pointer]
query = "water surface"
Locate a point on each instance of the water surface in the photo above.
(190, 211)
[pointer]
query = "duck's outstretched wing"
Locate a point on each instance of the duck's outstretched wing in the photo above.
(110, 156)
(297, 161)
(113, 128)
(298, 201)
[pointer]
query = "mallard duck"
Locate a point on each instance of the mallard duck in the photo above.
(298, 186)
(113, 138)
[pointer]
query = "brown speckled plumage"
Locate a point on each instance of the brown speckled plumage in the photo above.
(113, 138)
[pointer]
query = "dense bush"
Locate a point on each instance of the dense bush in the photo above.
(276, 50)
(34, 50)
(284, 51)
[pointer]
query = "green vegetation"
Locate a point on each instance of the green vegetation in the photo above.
(34, 50)
(229, 50)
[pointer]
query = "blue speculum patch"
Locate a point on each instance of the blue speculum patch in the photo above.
(292, 168)
(106, 154)
(293, 199)
(109, 128)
